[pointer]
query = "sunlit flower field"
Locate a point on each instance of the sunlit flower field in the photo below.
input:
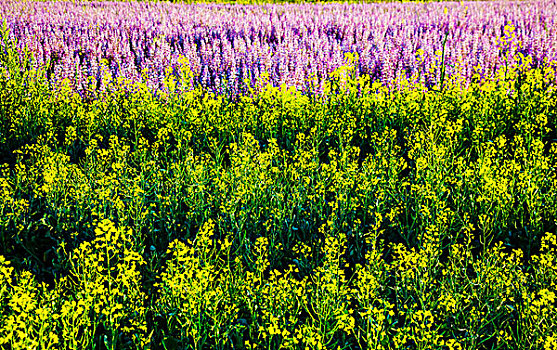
(278, 176)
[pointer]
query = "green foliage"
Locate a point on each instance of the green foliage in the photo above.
(370, 217)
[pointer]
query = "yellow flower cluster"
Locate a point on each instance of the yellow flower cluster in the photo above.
(102, 289)
(207, 297)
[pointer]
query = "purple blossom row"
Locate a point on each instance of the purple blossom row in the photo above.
(297, 44)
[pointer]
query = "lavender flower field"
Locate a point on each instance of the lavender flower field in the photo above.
(303, 176)
(296, 44)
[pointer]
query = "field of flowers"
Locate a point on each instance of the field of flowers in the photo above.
(228, 47)
(297, 176)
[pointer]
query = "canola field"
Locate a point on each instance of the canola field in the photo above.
(278, 176)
